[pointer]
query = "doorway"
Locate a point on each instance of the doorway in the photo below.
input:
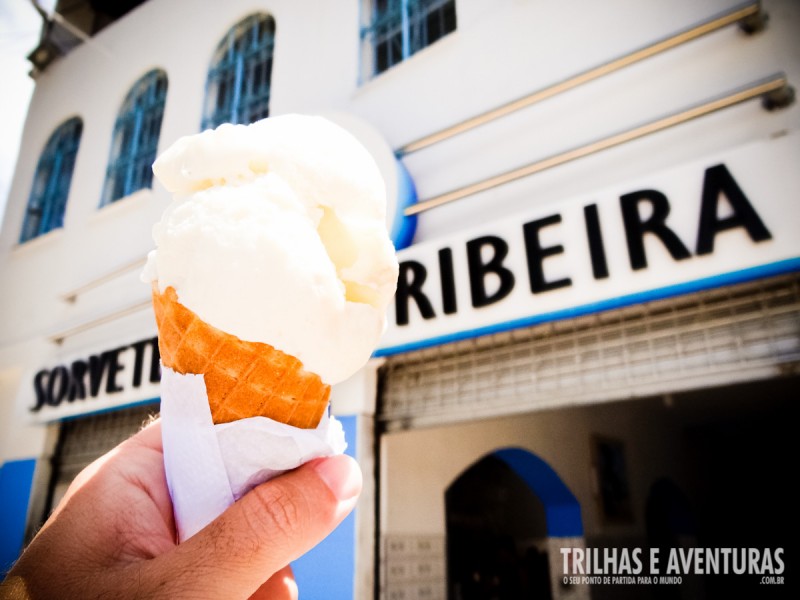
(500, 514)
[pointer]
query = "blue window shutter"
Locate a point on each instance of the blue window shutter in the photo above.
(238, 84)
(135, 139)
(48, 199)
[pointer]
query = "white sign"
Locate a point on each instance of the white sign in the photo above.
(732, 217)
(118, 375)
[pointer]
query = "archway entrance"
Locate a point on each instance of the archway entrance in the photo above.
(501, 513)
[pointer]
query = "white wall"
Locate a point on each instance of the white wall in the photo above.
(531, 45)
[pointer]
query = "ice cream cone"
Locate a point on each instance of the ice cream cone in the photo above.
(243, 379)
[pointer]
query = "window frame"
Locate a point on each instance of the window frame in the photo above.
(408, 19)
(52, 180)
(134, 142)
(242, 62)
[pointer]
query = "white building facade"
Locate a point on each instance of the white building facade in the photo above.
(596, 210)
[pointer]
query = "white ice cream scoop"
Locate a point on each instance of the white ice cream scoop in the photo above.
(277, 234)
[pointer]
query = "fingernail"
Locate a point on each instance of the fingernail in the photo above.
(341, 474)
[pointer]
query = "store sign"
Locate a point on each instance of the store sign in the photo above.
(108, 378)
(728, 218)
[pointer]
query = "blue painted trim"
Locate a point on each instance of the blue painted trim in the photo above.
(781, 267)
(562, 509)
(404, 227)
(16, 478)
(108, 409)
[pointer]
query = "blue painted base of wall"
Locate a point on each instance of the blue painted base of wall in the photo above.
(327, 571)
(16, 477)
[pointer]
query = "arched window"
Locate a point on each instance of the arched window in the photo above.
(238, 85)
(135, 141)
(48, 199)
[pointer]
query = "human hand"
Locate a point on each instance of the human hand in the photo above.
(113, 534)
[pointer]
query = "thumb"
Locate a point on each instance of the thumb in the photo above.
(262, 532)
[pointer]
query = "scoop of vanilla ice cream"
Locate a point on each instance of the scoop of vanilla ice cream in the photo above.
(276, 234)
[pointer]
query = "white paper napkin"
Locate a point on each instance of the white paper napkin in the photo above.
(210, 466)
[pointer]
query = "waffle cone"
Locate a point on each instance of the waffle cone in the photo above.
(243, 379)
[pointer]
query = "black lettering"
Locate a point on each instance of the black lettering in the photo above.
(595, 236)
(39, 387)
(635, 227)
(718, 180)
(97, 366)
(536, 254)
(448, 280)
(412, 288)
(58, 386)
(77, 386)
(138, 361)
(114, 367)
(478, 270)
(155, 361)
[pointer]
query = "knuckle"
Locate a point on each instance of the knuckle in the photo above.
(276, 511)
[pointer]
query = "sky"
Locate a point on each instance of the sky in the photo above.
(20, 26)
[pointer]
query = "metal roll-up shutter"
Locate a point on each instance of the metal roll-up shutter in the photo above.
(85, 439)
(722, 336)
